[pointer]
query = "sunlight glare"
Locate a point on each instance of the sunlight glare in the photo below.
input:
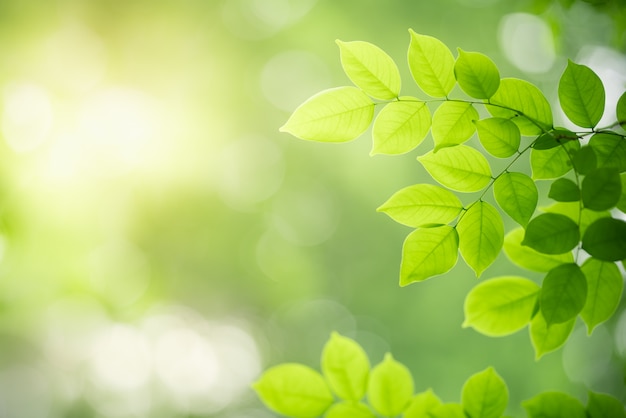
(27, 118)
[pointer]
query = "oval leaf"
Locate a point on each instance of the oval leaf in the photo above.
(431, 64)
(530, 259)
(601, 405)
(346, 367)
(500, 137)
(604, 289)
(564, 190)
(563, 294)
(554, 405)
(554, 162)
(336, 115)
(399, 127)
(572, 211)
(601, 189)
(349, 410)
(485, 395)
(585, 160)
(481, 234)
(453, 124)
(517, 195)
(428, 252)
(621, 111)
(605, 239)
(422, 405)
(551, 233)
(546, 338)
(477, 74)
(390, 387)
(581, 94)
(610, 150)
(459, 168)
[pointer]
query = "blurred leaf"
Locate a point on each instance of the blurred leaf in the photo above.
(554, 162)
(349, 410)
(517, 195)
(605, 239)
(600, 405)
(431, 64)
(485, 395)
(370, 69)
(428, 252)
(554, 405)
(604, 290)
(336, 115)
(530, 259)
(581, 95)
(422, 405)
(453, 124)
(563, 293)
(621, 110)
(346, 367)
(572, 211)
(564, 190)
(500, 306)
(546, 338)
(481, 233)
(500, 137)
(447, 410)
(459, 168)
(601, 189)
(476, 74)
(390, 387)
(585, 160)
(400, 127)
(422, 204)
(551, 233)
(610, 150)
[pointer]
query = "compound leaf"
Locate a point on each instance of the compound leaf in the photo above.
(431, 64)
(601, 189)
(481, 234)
(621, 111)
(485, 395)
(500, 137)
(349, 410)
(517, 195)
(530, 259)
(546, 339)
(554, 405)
(428, 252)
(554, 162)
(500, 306)
(370, 69)
(600, 405)
(605, 239)
(563, 294)
(581, 94)
(551, 233)
(476, 74)
(564, 190)
(459, 168)
(422, 405)
(390, 387)
(453, 123)
(422, 205)
(610, 150)
(336, 115)
(346, 367)
(400, 127)
(604, 288)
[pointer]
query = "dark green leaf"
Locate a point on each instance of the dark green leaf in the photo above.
(563, 294)
(500, 137)
(585, 160)
(346, 367)
(400, 127)
(610, 150)
(349, 410)
(390, 387)
(564, 190)
(431, 64)
(481, 233)
(485, 395)
(605, 239)
(517, 195)
(604, 289)
(551, 233)
(621, 204)
(601, 405)
(554, 405)
(581, 94)
(601, 189)
(621, 110)
(554, 162)
(546, 338)
(453, 123)
(572, 211)
(477, 75)
(530, 259)
(554, 138)
(422, 404)
(428, 252)
(459, 168)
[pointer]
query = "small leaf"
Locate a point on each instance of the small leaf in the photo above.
(431, 64)
(294, 390)
(346, 367)
(459, 168)
(349, 410)
(400, 127)
(500, 137)
(621, 111)
(546, 339)
(500, 306)
(530, 259)
(585, 160)
(485, 395)
(604, 289)
(481, 233)
(581, 94)
(601, 189)
(370, 69)
(564, 190)
(453, 123)
(390, 387)
(551, 233)
(554, 405)
(448, 410)
(517, 195)
(554, 162)
(422, 405)
(428, 252)
(524, 104)
(476, 74)
(610, 150)
(422, 204)
(563, 294)
(601, 405)
(336, 115)
(605, 239)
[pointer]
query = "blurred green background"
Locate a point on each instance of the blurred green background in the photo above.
(161, 243)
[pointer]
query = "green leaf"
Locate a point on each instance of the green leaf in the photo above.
(554, 138)
(400, 127)
(600, 405)
(604, 289)
(572, 211)
(294, 390)
(605, 239)
(563, 294)
(481, 234)
(581, 94)
(530, 259)
(448, 410)
(621, 111)
(524, 104)
(546, 339)
(370, 69)
(551, 233)
(500, 306)
(349, 410)
(459, 168)
(346, 367)
(610, 150)
(517, 195)
(564, 190)
(554, 162)
(422, 205)
(500, 137)
(390, 387)
(476, 74)
(422, 405)
(485, 395)
(431, 64)
(601, 189)
(336, 115)
(428, 252)
(554, 405)
(453, 123)
(585, 160)
(621, 204)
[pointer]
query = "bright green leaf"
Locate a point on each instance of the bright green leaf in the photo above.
(422, 404)
(581, 94)
(530, 259)
(546, 338)
(428, 252)
(610, 150)
(500, 306)
(336, 115)
(370, 69)
(453, 123)
(459, 168)
(485, 395)
(400, 127)
(390, 387)
(524, 104)
(431, 64)
(551, 233)
(517, 195)
(500, 137)
(294, 390)
(601, 189)
(585, 160)
(621, 111)
(564, 190)
(448, 410)
(476, 74)
(554, 162)
(563, 294)
(346, 367)
(600, 405)
(604, 289)
(605, 239)
(554, 405)
(481, 233)
(349, 410)
(422, 205)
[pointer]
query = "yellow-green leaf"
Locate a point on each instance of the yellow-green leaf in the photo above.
(431, 64)
(481, 234)
(453, 123)
(400, 126)
(428, 252)
(459, 168)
